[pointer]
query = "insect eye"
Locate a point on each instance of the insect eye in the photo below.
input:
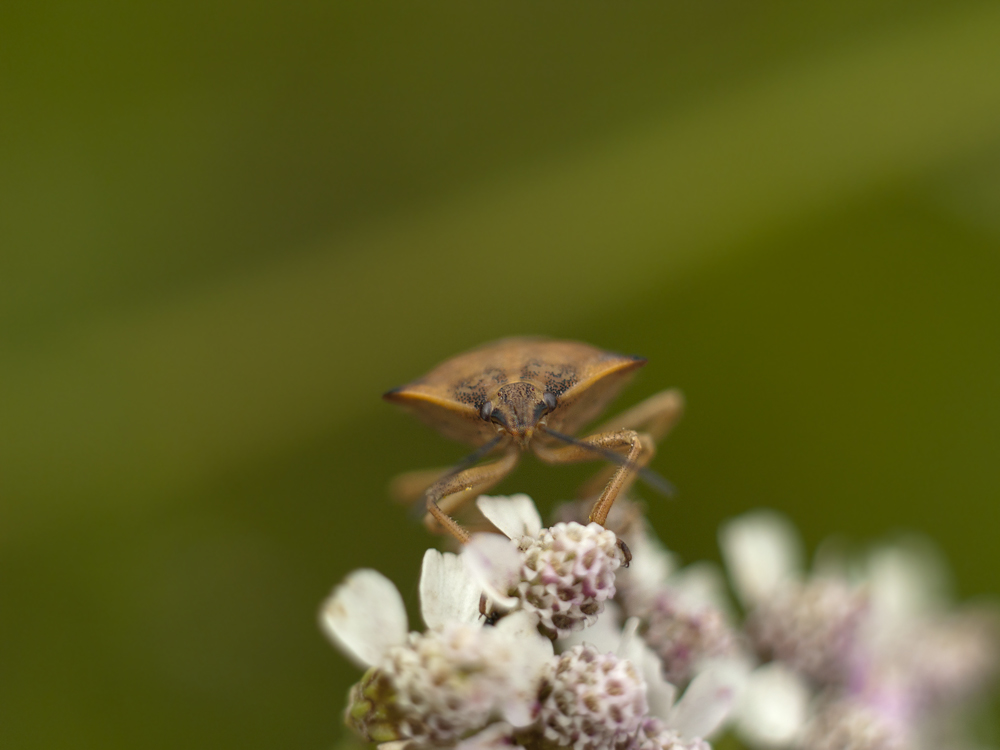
(487, 410)
(549, 399)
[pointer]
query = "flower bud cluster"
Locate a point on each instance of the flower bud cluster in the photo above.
(862, 653)
(590, 700)
(653, 734)
(525, 645)
(567, 574)
(850, 724)
(447, 682)
(563, 575)
(683, 635)
(810, 626)
(680, 611)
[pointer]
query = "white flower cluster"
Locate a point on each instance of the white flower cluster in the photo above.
(862, 653)
(433, 687)
(590, 700)
(541, 638)
(563, 574)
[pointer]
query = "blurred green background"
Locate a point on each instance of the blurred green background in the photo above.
(226, 229)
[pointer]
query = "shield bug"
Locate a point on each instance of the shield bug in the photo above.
(521, 394)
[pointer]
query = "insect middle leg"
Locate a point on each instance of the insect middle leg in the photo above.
(655, 417)
(410, 486)
(464, 484)
(637, 448)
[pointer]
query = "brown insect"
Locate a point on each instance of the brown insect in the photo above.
(522, 394)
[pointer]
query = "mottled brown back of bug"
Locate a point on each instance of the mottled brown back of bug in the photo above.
(582, 377)
(587, 400)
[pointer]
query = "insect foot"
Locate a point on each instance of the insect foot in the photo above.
(626, 553)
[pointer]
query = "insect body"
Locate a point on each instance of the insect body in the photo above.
(532, 394)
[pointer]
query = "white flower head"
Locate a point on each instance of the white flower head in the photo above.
(563, 575)
(813, 627)
(847, 723)
(928, 656)
(864, 652)
(439, 686)
(699, 712)
(810, 623)
(591, 700)
(653, 734)
(762, 551)
(456, 679)
(682, 635)
(683, 611)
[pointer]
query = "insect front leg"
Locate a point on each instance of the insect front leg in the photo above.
(410, 488)
(466, 484)
(637, 448)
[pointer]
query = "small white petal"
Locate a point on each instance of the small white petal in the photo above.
(629, 634)
(515, 516)
(908, 580)
(709, 699)
(774, 707)
(651, 562)
(530, 655)
(605, 634)
(660, 694)
(364, 616)
(519, 706)
(494, 737)
(523, 624)
(702, 584)
(448, 592)
(762, 550)
(494, 563)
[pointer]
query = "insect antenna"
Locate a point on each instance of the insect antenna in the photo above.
(419, 508)
(649, 476)
(474, 457)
